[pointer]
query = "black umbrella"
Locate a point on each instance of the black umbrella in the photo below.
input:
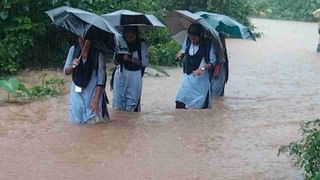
(131, 18)
(86, 25)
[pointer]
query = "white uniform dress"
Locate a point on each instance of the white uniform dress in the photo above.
(127, 84)
(195, 90)
(79, 102)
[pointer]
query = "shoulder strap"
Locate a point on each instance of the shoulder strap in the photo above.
(94, 55)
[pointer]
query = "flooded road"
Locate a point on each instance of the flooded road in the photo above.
(273, 87)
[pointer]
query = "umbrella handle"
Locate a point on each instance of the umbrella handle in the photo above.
(85, 44)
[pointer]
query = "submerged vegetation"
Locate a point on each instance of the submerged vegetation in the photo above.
(17, 91)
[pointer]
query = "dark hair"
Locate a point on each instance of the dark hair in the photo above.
(196, 30)
(132, 29)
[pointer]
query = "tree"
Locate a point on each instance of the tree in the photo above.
(28, 40)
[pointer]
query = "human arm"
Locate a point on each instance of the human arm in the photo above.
(101, 82)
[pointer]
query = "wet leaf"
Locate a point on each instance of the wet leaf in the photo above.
(11, 85)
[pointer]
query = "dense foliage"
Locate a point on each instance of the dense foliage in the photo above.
(28, 40)
(306, 151)
(286, 9)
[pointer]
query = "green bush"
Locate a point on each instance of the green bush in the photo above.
(16, 41)
(286, 9)
(237, 9)
(28, 40)
(306, 151)
(164, 54)
(49, 87)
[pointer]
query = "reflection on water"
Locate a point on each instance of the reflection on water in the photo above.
(272, 89)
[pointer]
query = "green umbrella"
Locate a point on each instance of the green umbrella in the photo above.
(227, 25)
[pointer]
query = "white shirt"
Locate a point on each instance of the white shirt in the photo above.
(193, 49)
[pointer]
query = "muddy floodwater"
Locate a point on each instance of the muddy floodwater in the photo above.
(273, 87)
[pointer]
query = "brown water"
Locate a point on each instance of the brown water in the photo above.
(273, 87)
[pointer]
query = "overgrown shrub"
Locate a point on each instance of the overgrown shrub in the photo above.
(286, 9)
(164, 54)
(50, 86)
(28, 40)
(307, 150)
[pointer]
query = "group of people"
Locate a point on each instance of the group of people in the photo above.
(204, 75)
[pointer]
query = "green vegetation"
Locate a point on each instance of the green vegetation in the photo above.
(10, 85)
(306, 151)
(28, 40)
(164, 54)
(49, 87)
(285, 9)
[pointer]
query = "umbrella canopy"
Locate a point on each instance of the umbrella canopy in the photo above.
(178, 22)
(86, 25)
(227, 25)
(131, 18)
